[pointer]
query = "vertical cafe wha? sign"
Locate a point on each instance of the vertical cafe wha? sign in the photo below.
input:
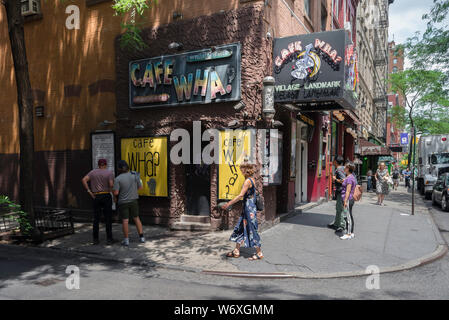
(197, 77)
(316, 71)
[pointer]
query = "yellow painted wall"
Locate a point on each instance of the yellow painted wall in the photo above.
(59, 57)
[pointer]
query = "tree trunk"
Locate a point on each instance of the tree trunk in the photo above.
(25, 103)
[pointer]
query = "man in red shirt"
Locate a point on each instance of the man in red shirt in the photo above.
(101, 181)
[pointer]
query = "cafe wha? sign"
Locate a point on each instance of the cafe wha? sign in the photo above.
(197, 77)
(316, 71)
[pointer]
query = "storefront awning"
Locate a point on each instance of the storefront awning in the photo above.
(370, 149)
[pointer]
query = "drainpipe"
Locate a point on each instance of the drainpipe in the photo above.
(296, 17)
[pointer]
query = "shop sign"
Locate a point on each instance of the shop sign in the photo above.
(149, 157)
(404, 138)
(103, 147)
(197, 77)
(236, 146)
(316, 71)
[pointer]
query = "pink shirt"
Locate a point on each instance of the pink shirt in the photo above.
(99, 180)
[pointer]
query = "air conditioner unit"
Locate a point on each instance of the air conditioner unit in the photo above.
(30, 7)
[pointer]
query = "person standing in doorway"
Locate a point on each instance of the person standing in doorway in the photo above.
(246, 231)
(339, 224)
(126, 188)
(101, 181)
(347, 193)
(382, 187)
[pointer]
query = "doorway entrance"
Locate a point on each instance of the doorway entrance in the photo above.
(301, 163)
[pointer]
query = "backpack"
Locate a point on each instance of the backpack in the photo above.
(358, 192)
(260, 203)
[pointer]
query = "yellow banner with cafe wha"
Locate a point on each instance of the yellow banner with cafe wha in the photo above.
(149, 157)
(235, 147)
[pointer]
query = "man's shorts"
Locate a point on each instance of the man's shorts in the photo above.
(129, 210)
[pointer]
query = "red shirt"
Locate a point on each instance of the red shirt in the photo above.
(99, 180)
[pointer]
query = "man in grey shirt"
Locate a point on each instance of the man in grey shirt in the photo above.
(126, 187)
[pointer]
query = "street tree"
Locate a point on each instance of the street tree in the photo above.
(425, 98)
(15, 22)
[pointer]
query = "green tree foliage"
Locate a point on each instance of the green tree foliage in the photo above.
(425, 84)
(131, 38)
(431, 49)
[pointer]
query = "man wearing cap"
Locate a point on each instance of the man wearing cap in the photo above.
(101, 181)
(126, 188)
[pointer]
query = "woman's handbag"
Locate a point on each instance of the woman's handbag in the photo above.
(260, 203)
(358, 191)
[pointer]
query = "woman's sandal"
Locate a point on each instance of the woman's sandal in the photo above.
(233, 254)
(256, 257)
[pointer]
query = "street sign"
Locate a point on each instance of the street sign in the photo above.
(404, 138)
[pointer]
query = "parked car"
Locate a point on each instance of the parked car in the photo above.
(440, 193)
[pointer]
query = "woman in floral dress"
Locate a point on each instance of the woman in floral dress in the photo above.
(381, 183)
(245, 232)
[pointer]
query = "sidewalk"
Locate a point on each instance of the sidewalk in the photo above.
(301, 246)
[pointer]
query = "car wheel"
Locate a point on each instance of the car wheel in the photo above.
(428, 196)
(444, 204)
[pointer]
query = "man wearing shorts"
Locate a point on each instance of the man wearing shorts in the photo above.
(126, 187)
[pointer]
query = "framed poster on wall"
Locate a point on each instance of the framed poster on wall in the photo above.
(149, 157)
(103, 147)
(235, 147)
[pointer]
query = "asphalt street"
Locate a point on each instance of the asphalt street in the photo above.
(41, 274)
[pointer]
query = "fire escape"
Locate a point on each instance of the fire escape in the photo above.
(380, 99)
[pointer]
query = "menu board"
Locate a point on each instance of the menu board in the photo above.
(103, 147)
(272, 156)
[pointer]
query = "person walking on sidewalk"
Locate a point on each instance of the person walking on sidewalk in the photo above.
(126, 187)
(246, 231)
(101, 181)
(369, 180)
(339, 223)
(407, 173)
(396, 174)
(347, 193)
(382, 187)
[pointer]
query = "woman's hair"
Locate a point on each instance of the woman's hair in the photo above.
(350, 166)
(248, 169)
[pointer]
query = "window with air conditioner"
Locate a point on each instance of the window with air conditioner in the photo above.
(30, 7)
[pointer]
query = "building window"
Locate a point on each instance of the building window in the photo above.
(395, 69)
(307, 8)
(395, 61)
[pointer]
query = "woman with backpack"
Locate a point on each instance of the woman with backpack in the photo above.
(246, 231)
(348, 188)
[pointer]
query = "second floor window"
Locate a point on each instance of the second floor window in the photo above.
(307, 8)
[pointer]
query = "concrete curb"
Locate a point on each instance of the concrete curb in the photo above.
(439, 252)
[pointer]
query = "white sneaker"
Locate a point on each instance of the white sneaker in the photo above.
(142, 239)
(125, 242)
(345, 237)
(352, 235)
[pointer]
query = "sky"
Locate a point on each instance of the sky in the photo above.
(405, 18)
